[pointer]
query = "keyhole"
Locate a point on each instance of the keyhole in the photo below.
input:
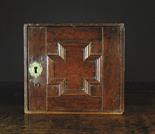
(35, 69)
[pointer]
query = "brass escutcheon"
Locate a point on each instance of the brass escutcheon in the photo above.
(35, 69)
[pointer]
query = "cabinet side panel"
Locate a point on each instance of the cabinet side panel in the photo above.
(25, 70)
(36, 53)
(113, 100)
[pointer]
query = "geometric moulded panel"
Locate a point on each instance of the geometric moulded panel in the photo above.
(74, 68)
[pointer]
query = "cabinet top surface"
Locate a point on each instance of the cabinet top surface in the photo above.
(74, 24)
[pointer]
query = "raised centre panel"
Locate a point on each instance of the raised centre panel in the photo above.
(74, 65)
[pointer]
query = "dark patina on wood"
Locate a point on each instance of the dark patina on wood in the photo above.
(74, 68)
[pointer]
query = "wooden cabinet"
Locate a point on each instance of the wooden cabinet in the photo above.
(74, 68)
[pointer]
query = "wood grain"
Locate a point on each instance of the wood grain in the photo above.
(83, 68)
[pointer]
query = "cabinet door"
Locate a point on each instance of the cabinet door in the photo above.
(74, 69)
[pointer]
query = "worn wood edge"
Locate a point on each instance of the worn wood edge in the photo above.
(75, 24)
(25, 67)
(122, 94)
(123, 85)
(75, 113)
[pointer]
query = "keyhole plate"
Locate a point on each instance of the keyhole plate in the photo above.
(35, 69)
